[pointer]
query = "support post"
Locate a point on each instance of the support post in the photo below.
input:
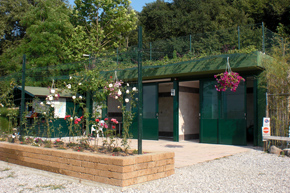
(140, 92)
(22, 94)
(176, 110)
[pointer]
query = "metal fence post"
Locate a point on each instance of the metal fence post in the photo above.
(117, 56)
(150, 51)
(140, 92)
(239, 40)
(190, 43)
(88, 104)
(263, 33)
(22, 94)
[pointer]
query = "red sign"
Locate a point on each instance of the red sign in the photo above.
(266, 131)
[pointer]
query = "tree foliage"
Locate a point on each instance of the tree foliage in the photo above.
(183, 17)
(48, 28)
(277, 81)
(104, 23)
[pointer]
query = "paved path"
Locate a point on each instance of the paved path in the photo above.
(188, 152)
(191, 152)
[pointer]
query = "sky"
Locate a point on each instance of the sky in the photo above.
(136, 4)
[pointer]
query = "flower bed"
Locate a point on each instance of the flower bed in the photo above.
(118, 171)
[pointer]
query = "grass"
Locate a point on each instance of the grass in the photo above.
(51, 186)
(6, 169)
(22, 184)
(11, 175)
(25, 189)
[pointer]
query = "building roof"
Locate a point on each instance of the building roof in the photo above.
(42, 91)
(239, 62)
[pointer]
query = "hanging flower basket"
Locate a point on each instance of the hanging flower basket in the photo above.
(228, 79)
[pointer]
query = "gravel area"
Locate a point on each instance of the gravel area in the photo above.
(253, 171)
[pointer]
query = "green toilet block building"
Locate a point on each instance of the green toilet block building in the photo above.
(180, 101)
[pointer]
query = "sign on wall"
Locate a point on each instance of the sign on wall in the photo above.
(266, 129)
(60, 108)
(266, 122)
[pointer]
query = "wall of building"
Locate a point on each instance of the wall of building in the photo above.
(165, 109)
(188, 110)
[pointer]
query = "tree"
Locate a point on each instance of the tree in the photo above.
(157, 18)
(104, 22)
(183, 17)
(277, 80)
(11, 13)
(48, 28)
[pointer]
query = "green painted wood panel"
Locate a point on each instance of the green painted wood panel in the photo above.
(209, 131)
(222, 115)
(232, 131)
(150, 114)
(232, 122)
(208, 112)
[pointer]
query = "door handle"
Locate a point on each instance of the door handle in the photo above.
(157, 114)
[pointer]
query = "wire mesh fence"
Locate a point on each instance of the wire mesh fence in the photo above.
(161, 52)
(242, 39)
(279, 111)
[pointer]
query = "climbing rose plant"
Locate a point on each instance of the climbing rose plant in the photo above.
(228, 80)
(125, 94)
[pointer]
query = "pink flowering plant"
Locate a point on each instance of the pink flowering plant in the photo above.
(228, 80)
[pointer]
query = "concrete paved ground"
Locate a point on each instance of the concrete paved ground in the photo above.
(187, 152)
(190, 152)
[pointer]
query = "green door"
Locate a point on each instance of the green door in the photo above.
(208, 112)
(222, 115)
(232, 118)
(150, 114)
(150, 111)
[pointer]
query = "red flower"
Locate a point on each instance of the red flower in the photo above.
(113, 127)
(67, 116)
(82, 117)
(97, 120)
(111, 77)
(106, 119)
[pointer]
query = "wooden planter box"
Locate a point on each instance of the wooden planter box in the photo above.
(114, 170)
